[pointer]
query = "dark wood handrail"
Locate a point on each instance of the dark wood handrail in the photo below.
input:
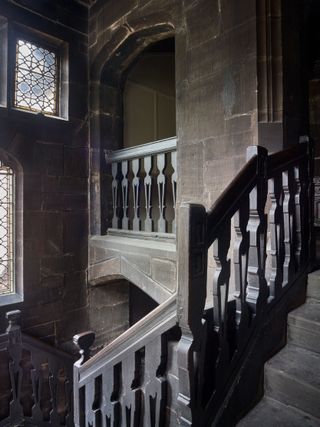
(131, 371)
(154, 324)
(259, 232)
(282, 160)
(227, 203)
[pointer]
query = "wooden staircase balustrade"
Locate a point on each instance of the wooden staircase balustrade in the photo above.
(37, 377)
(144, 186)
(126, 382)
(260, 232)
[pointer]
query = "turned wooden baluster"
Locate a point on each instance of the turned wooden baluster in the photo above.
(115, 219)
(288, 265)
(130, 404)
(89, 400)
(174, 179)
(125, 194)
(276, 235)
(240, 258)
(15, 370)
(110, 396)
(257, 289)
(136, 194)
(220, 298)
(36, 395)
(53, 385)
(298, 216)
(221, 275)
(148, 225)
(161, 181)
(155, 386)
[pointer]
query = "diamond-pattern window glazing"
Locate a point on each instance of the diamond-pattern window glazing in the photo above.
(36, 78)
(6, 230)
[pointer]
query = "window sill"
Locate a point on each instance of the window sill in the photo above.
(10, 299)
(26, 113)
(37, 114)
(30, 117)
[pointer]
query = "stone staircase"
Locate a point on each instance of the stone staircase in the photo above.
(292, 377)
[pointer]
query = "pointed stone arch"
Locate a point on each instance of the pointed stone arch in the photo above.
(108, 73)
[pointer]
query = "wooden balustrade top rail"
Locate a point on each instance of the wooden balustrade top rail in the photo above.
(160, 320)
(228, 203)
(143, 150)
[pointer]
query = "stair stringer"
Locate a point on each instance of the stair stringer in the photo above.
(245, 387)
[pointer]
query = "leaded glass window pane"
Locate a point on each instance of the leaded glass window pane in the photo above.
(6, 230)
(36, 78)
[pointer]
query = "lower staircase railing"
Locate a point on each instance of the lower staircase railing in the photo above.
(259, 234)
(126, 382)
(35, 381)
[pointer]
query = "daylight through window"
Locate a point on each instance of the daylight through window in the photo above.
(36, 78)
(6, 230)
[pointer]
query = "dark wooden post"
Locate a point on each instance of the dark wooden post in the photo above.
(192, 274)
(83, 341)
(257, 286)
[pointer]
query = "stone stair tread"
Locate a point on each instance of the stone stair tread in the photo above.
(307, 315)
(313, 288)
(300, 364)
(272, 413)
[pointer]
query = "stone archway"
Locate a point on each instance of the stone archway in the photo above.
(108, 74)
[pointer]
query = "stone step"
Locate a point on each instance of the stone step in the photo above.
(313, 288)
(293, 378)
(272, 413)
(304, 326)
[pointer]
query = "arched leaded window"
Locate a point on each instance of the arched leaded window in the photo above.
(11, 230)
(7, 229)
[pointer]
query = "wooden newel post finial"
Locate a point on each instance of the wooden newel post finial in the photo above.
(14, 319)
(84, 341)
(13, 329)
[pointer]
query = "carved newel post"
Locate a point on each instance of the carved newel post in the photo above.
(83, 341)
(13, 329)
(191, 303)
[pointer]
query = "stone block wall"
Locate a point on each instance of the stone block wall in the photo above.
(216, 86)
(53, 154)
(219, 89)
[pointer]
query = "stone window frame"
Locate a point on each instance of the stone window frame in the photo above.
(3, 62)
(9, 34)
(17, 295)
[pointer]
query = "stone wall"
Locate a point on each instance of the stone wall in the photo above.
(222, 75)
(54, 155)
(215, 83)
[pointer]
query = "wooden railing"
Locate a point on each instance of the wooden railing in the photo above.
(259, 234)
(144, 186)
(126, 382)
(35, 380)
